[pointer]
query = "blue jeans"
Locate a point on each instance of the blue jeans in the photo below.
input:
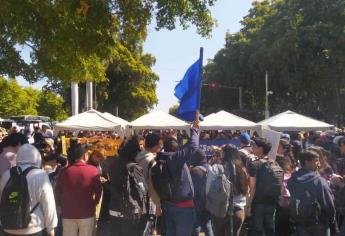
(261, 221)
(178, 221)
(313, 230)
(203, 221)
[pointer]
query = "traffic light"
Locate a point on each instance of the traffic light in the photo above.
(213, 84)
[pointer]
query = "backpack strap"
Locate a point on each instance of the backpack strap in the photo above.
(34, 208)
(189, 177)
(27, 170)
(151, 163)
(25, 173)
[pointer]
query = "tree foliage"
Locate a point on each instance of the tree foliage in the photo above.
(300, 43)
(16, 100)
(173, 109)
(51, 105)
(131, 87)
(75, 40)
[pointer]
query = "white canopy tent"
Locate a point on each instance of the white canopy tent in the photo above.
(159, 120)
(291, 121)
(89, 120)
(124, 124)
(209, 116)
(223, 120)
(115, 119)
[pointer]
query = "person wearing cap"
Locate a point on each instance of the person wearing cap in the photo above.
(78, 192)
(44, 217)
(46, 131)
(246, 150)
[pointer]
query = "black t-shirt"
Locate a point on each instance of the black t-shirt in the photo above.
(253, 169)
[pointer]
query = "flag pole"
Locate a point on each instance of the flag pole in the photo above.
(197, 115)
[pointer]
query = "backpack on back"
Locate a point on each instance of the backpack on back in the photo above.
(15, 210)
(162, 180)
(218, 191)
(339, 200)
(304, 207)
(270, 179)
(200, 188)
(134, 191)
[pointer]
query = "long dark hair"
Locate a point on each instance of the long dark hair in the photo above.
(237, 172)
(286, 161)
(13, 140)
(129, 149)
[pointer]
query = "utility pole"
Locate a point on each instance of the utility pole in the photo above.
(240, 98)
(267, 93)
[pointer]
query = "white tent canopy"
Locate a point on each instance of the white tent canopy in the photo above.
(291, 121)
(223, 120)
(115, 119)
(89, 120)
(159, 120)
(209, 116)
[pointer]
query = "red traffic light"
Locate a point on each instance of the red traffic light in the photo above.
(213, 84)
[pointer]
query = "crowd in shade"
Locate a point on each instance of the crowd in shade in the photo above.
(163, 183)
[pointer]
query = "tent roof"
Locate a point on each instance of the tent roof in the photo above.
(115, 119)
(159, 120)
(292, 121)
(223, 120)
(89, 120)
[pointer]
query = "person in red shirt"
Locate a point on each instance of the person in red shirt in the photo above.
(78, 192)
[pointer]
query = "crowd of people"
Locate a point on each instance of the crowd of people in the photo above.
(158, 184)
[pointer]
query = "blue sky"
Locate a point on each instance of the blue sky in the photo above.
(176, 50)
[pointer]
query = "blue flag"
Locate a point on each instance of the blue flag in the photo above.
(188, 92)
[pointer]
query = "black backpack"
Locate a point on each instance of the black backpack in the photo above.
(304, 206)
(134, 191)
(162, 180)
(200, 197)
(15, 210)
(270, 179)
(339, 200)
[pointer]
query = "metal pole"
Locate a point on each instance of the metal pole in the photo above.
(267, 113)
(240, 98)
(116, 110)
(201, 57)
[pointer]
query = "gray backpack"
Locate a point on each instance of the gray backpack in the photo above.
(218, 191)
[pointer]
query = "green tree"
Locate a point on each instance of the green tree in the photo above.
(51, 105)
(173, 109)
(16, 100)
(301, 46)
(75, 40)
(131, 87)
